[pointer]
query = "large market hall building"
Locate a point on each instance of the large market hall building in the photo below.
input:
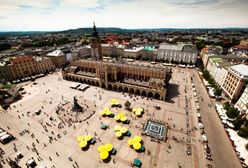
(140, 80)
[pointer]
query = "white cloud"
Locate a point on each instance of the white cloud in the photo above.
(65, 14)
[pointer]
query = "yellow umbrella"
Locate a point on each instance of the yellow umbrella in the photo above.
(134, 109)
(140, 109)
(121, 114)
(88, 137)
(117, 117)
(106, 109)
(108, 147)
(102, 112)
(117, 128)
(123, 130)
(108, 112)
(101, 148)
(137, 138)
(130, 141)
(123, 119)
(137, 113)
(104, 155)
(83, 144)
(136, 145)
(115, 102)
(80, 138)
(118, 134)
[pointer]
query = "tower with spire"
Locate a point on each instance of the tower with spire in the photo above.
(96, 48)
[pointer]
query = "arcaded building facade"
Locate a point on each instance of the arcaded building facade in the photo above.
(139, 80)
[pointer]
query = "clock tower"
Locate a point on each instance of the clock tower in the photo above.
(96, 48)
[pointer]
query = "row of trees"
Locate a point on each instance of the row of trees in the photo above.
(239, 122)
(211, 81)
(4, 46)
(47, 43)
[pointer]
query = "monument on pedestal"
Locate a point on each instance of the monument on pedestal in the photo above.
(76, 107)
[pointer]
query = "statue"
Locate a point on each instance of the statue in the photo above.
(76, 107)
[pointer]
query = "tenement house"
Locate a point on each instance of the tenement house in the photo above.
(20, 67)
(235, 81)
(58, 58)
(180, 53)
(242, 103)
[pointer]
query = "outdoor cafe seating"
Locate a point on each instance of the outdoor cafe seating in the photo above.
(104, 126)
(137, 162)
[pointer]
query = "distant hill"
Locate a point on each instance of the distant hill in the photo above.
(117, 30)
(21, 33)
(89, 30)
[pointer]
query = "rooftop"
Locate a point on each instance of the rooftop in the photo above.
(216, 59)
(149, 48)
(166, 46)
(56, 53)
(134, 49)
(241, 70)
(241, 47)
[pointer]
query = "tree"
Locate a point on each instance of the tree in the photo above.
(200, 45)
(227, 106)
(4, 46)
(172, 61)
(127, 105)
(243, 132)
(181, 61)
(217, 91)
(232, 112)
(237, 122)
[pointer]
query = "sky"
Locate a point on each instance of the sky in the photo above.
(52, 15)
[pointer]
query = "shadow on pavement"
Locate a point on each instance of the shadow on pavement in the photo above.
(172, 91)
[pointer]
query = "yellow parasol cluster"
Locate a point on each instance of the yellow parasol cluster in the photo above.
(83, 140)
(115, 102)
(135, 142)
(120, 130)
(104, 150)
(121, 117)
(138, 111)
(106, 111)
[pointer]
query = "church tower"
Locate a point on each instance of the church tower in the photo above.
(96, 48)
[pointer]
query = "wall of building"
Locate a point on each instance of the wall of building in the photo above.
(177, 56)
(5, 73)
(45, 65)
(58, 61)
(106, 75)
(242, 103)
(233, 85)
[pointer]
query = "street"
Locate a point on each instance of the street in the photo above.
(219, 143)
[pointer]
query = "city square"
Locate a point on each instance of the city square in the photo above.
(52, 140)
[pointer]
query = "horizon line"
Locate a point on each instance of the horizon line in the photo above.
(6, 31)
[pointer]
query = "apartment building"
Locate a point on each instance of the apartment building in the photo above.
(180, 53)
(235, 81)
(19, 67)
(242, 103)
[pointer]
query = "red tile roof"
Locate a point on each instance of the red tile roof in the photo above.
(241, 47)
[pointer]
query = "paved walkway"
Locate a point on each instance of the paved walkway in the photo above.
(219, 143)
